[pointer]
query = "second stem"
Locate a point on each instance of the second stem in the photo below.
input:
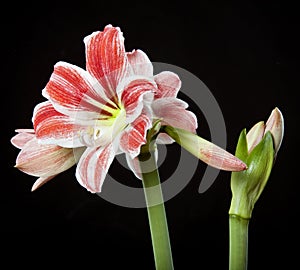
(238, 237)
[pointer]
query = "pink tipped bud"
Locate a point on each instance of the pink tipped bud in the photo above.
(275, 124)
(206, 151)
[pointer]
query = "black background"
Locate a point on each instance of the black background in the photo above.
(246, 52)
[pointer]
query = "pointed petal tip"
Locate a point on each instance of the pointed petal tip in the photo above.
(234, 165)
(255, 135)
(33, 188)
(242, 167)
(277, 110)
(275, 116)
(40, 182)
(18, 166)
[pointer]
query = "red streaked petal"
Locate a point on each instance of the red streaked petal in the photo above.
(106, 58)
(168, 84)
(173, 113)
(72, 91)
(133, 92)
(93, 166)
(134, 136)
(21, 139)
(44, 160)
(52, 127)
(140, 63)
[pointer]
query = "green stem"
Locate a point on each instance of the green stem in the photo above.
(156, 212)
(238, 242)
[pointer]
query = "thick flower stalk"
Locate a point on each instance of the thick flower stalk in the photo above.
(258, 148)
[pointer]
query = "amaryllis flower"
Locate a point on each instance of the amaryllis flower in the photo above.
(102, 107)
(43, 161)
(109, 108)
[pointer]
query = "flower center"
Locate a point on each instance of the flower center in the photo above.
(105, 129)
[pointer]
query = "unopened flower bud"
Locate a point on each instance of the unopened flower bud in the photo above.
(258, 149)
(206, 151)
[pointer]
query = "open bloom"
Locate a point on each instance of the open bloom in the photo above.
(103, 107)
(109, 107)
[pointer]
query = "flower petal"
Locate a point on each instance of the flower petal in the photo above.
(93, 166)
(168, 84)
(74, 92)
(164, 138)
(44, 160)
(140, 63)
(22, 138)
(206, 151)
(134, 136)
(41, 181)
(25, 130)
(255, 135)
(133, 91)
(173, 113)
(52, 127)
(106, 58)
(134, 166)
(275, 124)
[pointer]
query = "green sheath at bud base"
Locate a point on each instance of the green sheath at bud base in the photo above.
(247, 186)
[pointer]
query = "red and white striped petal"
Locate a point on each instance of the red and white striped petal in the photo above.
(52, 127)
(132, 92)
(22, 138)
(44, 160)
(106, 58)
(173, 113)
(93, 166)
(134, 136)
(140, 63)
(74, 92)
(168, 84)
